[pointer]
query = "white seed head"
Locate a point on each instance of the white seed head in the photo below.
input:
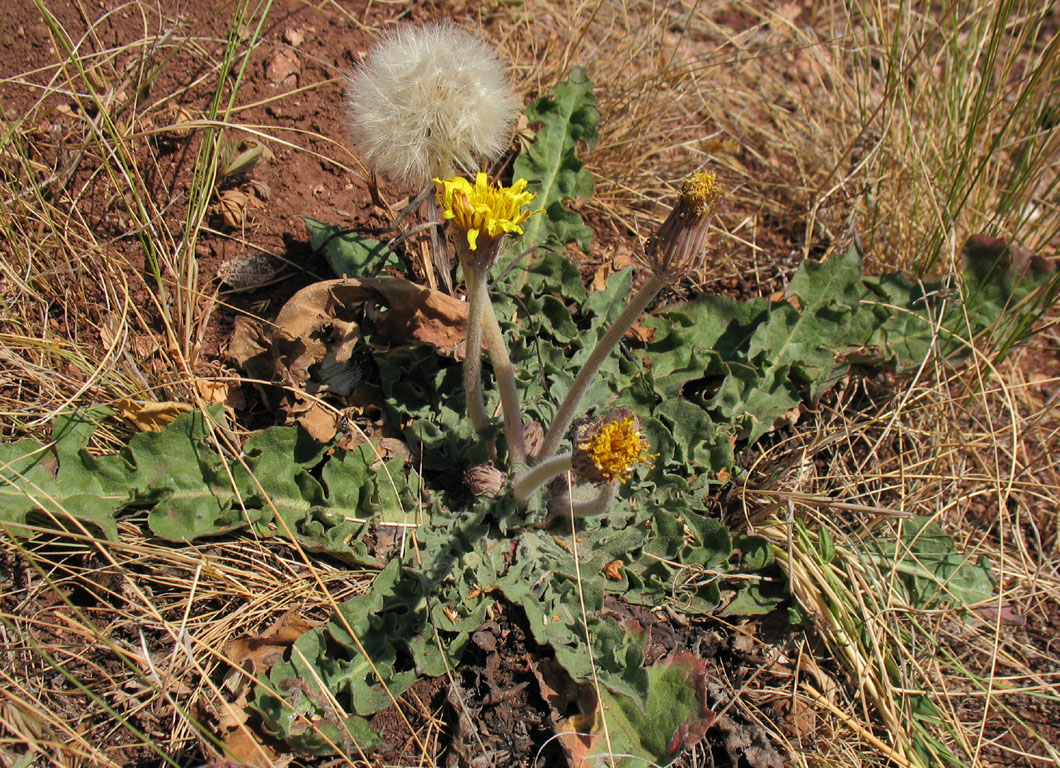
(429, 101)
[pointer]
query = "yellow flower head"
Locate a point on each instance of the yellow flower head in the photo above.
(611, 448)
(677, 248)
(484, 213)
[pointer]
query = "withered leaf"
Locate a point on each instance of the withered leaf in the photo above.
(150, 416)
(255, 653)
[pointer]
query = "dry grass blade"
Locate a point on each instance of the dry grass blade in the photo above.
(928, 683)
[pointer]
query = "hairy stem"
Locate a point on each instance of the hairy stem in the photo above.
(505, 373)
(563, 506)
(597, 505)
(477, 300)
(438, 249)
(603, 350)
(533, 478)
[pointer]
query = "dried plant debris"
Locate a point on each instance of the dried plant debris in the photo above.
(311, 346)
(249, 272)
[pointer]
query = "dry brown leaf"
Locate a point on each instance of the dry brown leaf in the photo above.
(600, 277)
(226, 393)
(789, 418)
(402, 312)
(641, 334)
(231, 717)
(235, 207)
(256, 653)
(801, 717)
(394, 447)
(619, 260)
(245, 750)
(622, 258)
(315, 418)
(252, 351)
(316, 332)
(110, 331)
(562, 694)
(150, 416)
(613, 570)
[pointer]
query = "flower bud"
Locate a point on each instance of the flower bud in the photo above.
(533, 437)
(485, 480)
(677, 248)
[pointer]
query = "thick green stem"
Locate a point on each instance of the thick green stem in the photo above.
(477, 300)
(505, 374)
(599, 504)
(603, 350)
(533, 478)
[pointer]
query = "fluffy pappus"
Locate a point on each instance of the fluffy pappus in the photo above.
(428, 101)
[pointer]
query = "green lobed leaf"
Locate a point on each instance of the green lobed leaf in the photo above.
(60, 485)
(934, 572)
(554, 273)
(662, 567)
(794, 346)
(673, 716)
(349, 253)
(550, 164)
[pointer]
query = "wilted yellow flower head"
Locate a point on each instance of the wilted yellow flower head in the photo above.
(611, 448)
(428, 101)
(677, 248)
(483, 213)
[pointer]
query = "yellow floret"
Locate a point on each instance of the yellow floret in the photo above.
(701, 190)
(616, 448)
(484, 210)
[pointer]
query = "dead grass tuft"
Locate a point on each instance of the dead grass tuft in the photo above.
(908, 126)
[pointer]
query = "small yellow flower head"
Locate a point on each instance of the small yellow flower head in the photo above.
(611, 448)
(677, 248)
(483, 213)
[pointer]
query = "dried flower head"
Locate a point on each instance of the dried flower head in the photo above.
(428, 101)
(533, 438)
(610, 449)
(483, 213)
(485, 480)
(677, 248)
